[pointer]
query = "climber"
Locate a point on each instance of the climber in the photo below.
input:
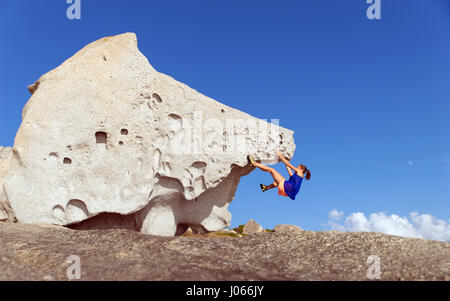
(287, 188)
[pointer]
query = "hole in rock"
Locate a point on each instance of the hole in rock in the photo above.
(124, 131)
(58, 212)
(223, 111)
(175, 123)
(101, 137)
(157, 97)
(67, 161)
(76, 210)
(120, 142)
(53, 155)
(199, 165)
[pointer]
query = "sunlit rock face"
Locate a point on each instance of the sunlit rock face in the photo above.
(106, 141)
(6, 214)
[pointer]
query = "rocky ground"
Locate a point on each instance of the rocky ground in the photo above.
(39, 252)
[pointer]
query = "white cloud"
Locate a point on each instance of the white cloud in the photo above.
(410, 163)
(336, 215)
(419, 226)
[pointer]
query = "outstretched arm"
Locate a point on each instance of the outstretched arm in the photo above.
(286, 162)
(290, 172)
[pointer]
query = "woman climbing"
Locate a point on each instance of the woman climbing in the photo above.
(287, 188)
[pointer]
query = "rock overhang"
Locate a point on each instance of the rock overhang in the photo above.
(106, 133)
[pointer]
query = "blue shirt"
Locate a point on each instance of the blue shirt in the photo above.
(292, 186)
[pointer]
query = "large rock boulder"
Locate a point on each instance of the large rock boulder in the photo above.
(6, 214)
(108, 142)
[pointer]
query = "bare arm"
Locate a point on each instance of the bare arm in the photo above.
(289, 171)
(286, 162)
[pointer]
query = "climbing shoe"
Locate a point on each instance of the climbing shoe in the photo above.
(250, 161)
(263, 187)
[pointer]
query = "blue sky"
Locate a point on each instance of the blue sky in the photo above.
(364, 97)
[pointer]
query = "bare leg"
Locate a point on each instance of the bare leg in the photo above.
(275, 174)
(265, 188)
(273, 185)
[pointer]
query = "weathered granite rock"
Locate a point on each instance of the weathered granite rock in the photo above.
(287, 228)
(108, 142)
(30, 252)
(6, 214)
(252, 227)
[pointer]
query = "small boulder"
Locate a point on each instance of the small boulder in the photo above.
(189, 232)
(287, 228)
(252, 227)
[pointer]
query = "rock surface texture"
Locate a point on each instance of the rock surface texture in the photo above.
(106, 142)
(30, 252)
(6, 214)
(287, 228)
